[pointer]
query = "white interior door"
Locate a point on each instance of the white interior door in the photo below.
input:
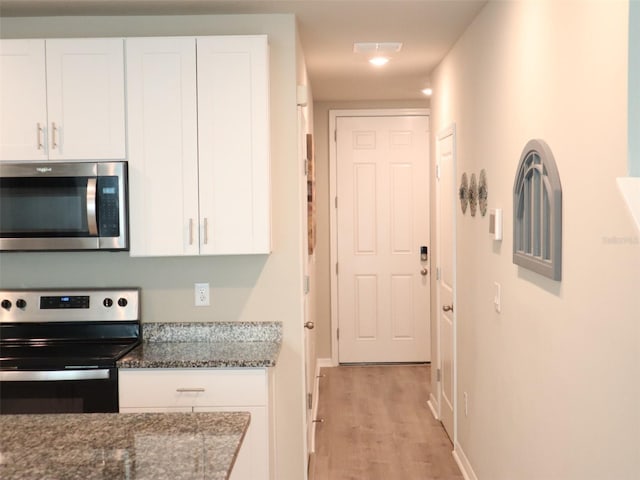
(382, 221)
(446, 282)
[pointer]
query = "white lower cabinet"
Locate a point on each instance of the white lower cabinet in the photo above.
(208, 390)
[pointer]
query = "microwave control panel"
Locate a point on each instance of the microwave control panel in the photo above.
(108, 207)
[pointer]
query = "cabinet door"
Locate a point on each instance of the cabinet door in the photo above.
(187, 387)
(23, 112)
(252, 462)
(233, 132)
(85, 99)
(163, 146)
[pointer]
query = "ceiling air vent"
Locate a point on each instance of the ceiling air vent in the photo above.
(377, 47)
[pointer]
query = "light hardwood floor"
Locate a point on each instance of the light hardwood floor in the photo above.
(377, 426)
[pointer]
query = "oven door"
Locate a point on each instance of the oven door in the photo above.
(59, 391)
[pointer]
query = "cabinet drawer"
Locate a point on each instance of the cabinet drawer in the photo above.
(196, 387)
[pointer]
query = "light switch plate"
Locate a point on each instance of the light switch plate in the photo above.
(495, 223)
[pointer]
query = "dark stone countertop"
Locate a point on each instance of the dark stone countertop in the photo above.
(131, 446)
(206, 345)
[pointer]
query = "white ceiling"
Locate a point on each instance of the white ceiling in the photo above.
(328, 29)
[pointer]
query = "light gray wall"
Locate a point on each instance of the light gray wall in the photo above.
(247, 288)
(552, 380)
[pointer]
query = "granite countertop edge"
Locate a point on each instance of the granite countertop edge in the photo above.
(206, 345)
(94, 446)
(128, 362)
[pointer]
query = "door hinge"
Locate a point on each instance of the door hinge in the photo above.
(338, 333)
(335, 202)
(306, 284)
(309, 401)
(438, 171)
(438, 273)
(438, 375)
(336, 268)
(335, 135)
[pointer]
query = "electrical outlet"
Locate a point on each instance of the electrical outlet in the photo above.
(201, 294)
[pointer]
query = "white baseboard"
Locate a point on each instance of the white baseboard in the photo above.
(432, 402)
(320, 363)
(463, 462)
(324, 362)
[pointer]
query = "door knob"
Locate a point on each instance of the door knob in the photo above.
(447, 308)
(424, 271)
(309, 325)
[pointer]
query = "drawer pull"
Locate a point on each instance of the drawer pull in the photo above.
(190, 390)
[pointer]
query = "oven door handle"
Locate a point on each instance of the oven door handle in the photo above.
(92, 222)
(53, 375)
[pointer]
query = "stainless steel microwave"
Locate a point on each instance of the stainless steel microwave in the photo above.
(54, 206)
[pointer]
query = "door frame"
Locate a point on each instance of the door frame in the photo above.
(309, 339)
(333, 191)
(448, 131)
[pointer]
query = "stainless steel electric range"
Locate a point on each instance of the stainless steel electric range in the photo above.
(58, 348)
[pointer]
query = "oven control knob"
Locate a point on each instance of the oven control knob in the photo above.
(122, 302)
(6, 304)
(107, 302)
(20, 303)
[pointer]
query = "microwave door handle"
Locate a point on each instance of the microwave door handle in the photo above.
(91, 207)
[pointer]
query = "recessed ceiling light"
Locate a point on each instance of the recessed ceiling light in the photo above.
(427, 91)
(378, 61)
(379, 52)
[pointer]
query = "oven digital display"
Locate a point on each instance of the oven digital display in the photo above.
(64, 301)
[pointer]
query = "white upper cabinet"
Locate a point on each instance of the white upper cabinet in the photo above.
(85, 98)
(62, 99)
(198, 130)
(23, 100)
(233, 132)
(163, 146)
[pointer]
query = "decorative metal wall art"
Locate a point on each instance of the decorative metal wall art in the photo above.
(473, 195)
(483, 192)
(463, 193)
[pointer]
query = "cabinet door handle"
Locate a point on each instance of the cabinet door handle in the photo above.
(191, 231)
(54, 130)
(206, 230)
(40, 144)
(190, 390)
